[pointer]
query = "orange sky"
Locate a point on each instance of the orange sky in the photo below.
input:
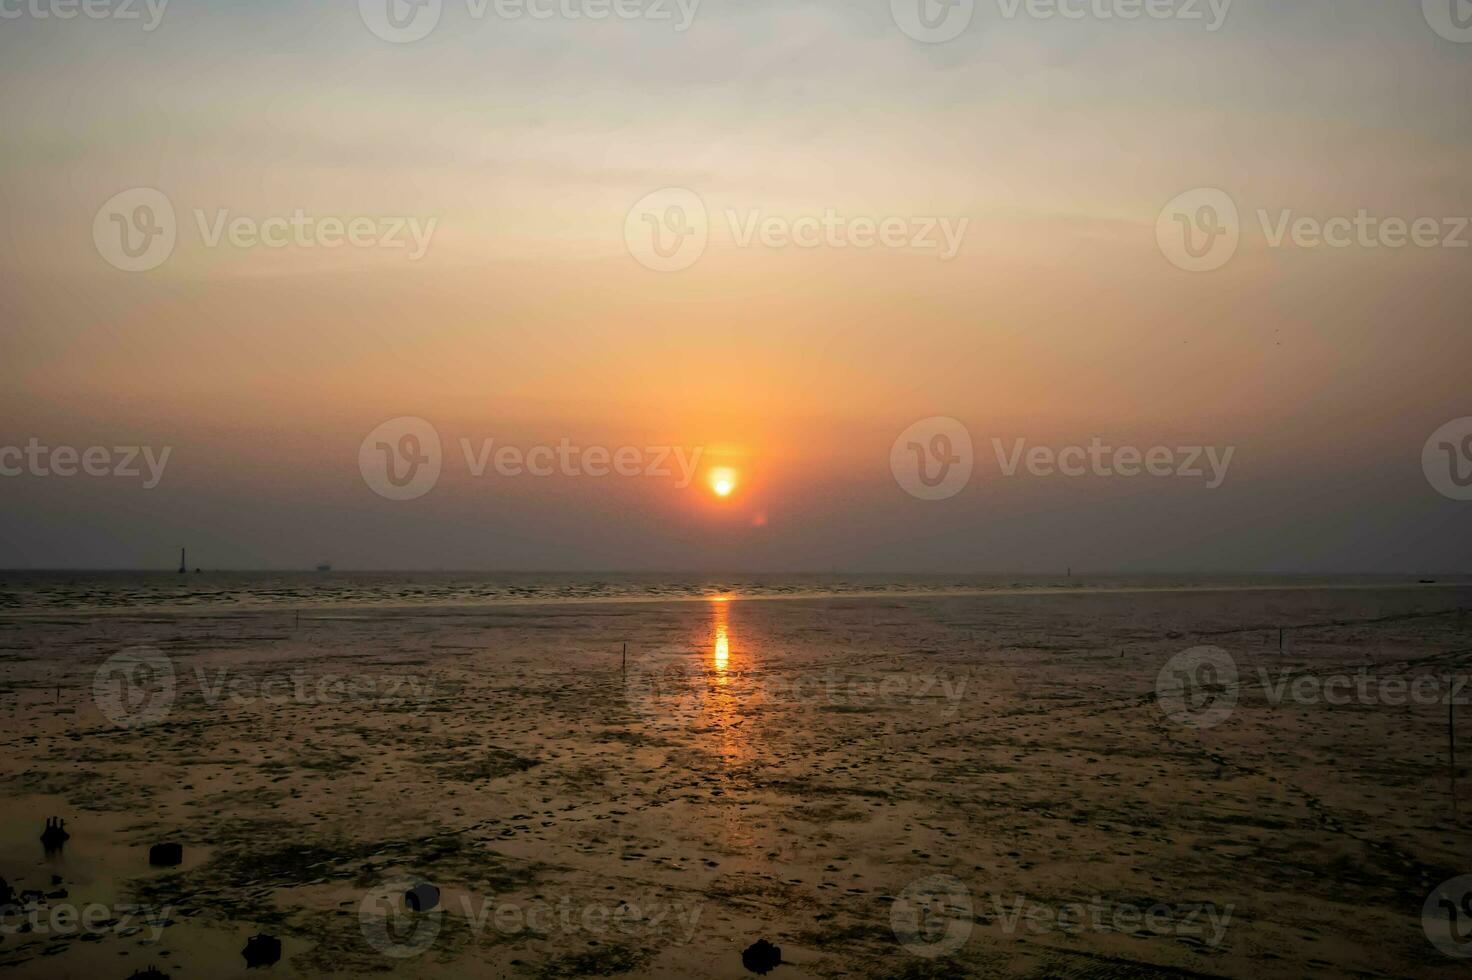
(529, 321)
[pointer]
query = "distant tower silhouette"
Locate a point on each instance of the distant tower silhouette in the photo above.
(182, 567)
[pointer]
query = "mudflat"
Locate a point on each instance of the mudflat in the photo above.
(1023, 785)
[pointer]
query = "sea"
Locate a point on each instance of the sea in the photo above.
(42, 591)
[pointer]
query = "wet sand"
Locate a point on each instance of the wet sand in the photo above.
(787, 770)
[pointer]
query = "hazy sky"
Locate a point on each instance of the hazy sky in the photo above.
(520, 145)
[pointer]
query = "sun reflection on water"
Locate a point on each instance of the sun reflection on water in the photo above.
(721, 655)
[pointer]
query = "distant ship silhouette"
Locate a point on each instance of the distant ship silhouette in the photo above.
(182, 567)
(325, 567)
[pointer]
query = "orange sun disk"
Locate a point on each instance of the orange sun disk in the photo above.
(723, 482)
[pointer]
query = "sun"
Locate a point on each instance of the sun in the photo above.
(723, 481)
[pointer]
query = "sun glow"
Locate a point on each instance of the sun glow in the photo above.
(723, 481)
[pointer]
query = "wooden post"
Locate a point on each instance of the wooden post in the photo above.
(1280, 642)
(626, 658)
(1451, 745)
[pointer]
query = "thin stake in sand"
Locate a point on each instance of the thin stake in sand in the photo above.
(1451, 745)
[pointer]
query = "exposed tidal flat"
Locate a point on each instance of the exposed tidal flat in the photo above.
(996, 783)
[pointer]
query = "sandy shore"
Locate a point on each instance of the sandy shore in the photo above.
(882, 787)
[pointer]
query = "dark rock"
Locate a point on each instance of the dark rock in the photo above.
(57, 895)
(30, 895)
(262, 950)
(166, 855)
(55, 834)
(762, 957)
(152, 973)
(422, 898)
(6, 894)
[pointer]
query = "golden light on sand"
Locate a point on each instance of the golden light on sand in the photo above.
(723, 481)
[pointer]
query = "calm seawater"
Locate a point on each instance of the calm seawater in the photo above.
(25, 591)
